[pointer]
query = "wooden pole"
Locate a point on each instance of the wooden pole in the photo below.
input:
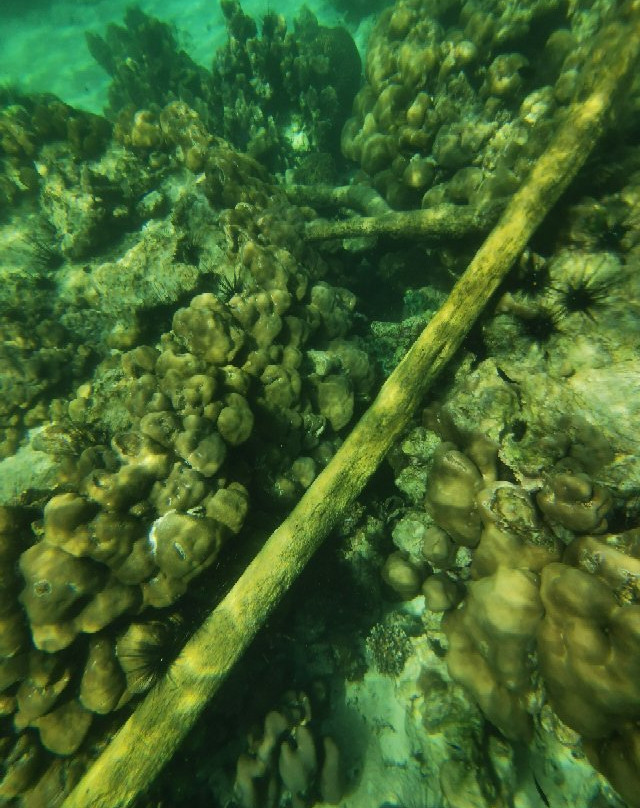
(437, 223)
(151, 735)
(359, 197)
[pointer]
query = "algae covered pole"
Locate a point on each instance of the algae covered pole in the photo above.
(149, 738)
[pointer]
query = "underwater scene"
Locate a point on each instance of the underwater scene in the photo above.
(320, 404)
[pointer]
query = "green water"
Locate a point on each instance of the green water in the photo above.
(221, 229)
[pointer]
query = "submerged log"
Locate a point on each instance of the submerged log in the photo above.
(358, 197)
(433, 224)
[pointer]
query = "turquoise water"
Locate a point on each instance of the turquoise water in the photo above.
(43, 47)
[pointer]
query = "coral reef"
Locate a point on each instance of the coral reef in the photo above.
(518, 533)
(459, 99)
(280, 96)
(549, 592)
(233, 406)
(29, 122)
(177, 365)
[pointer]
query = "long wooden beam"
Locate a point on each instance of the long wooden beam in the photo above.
(440, 222)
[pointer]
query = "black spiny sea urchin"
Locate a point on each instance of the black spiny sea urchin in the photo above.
(228, 287)
(147, 650)
(45, 250)
(581, 292)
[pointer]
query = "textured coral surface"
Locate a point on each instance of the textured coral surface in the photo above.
(178, 364)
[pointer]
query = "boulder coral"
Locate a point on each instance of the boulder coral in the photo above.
(457, 101)
(167, 448)
(589, 650)
(539, 609)
(564, 611)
